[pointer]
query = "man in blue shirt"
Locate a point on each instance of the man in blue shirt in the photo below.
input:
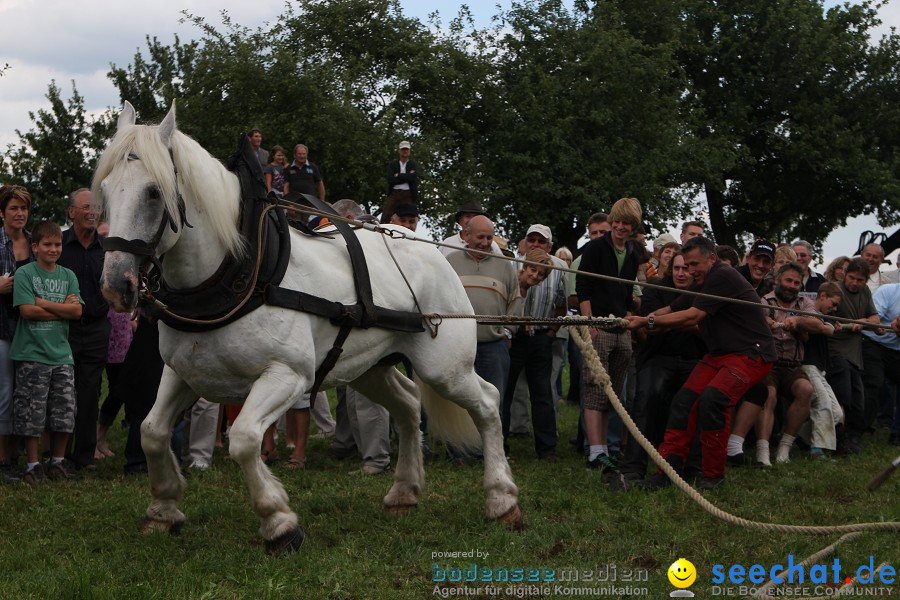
(881, 357)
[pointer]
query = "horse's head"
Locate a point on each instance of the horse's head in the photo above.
(137, 183)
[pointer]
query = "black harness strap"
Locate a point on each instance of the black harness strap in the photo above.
(330, 360)
(357, 260)
(340, 314)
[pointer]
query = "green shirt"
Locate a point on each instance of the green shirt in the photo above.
(45, 342)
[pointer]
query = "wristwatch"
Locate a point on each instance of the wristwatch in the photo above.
(651, 322)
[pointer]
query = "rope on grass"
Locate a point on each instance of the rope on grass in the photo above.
(601, 377)
(763, 590)
(845, 589)
(766, 590)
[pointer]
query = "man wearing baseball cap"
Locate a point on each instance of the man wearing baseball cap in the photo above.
(759, 263)
(403, 181)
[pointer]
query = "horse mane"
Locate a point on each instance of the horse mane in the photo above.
(203, 181)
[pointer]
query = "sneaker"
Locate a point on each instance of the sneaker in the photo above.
(199, 466)
(710, 483)
(549, 457)
(655, 482)
(57, 471)
(602, 463)
(35, 476)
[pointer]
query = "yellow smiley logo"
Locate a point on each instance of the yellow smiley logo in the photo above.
(682, 573)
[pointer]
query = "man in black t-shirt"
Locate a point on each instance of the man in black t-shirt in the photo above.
(302, 176)
(740, 354)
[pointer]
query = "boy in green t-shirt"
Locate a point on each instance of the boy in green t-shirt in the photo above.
(47, 296)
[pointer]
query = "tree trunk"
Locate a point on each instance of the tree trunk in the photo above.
(715, 198)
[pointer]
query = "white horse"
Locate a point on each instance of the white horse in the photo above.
(267, 359)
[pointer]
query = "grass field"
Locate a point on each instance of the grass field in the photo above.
(80, 540)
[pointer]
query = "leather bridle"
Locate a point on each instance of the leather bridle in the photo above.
(150, 280)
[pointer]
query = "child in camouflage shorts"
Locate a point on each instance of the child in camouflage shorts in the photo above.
(47, 296)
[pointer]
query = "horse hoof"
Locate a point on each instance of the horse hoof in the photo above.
(289, 541)
(150, 526)
(400, 509)
(513, 519)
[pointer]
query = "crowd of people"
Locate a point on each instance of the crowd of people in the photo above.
(753, 362)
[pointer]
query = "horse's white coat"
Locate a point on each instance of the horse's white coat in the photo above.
(268, 358)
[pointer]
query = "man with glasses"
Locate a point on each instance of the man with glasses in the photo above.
(811, 279)
(89, 336)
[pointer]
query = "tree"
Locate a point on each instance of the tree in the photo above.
(296, 81)
(58, 156)
(782, 97)
(589, 114)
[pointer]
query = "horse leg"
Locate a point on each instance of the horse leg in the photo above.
(482, 401)
(398, 394)
(166, 482)
(270, 396)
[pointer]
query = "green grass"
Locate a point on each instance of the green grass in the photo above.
(80, 540)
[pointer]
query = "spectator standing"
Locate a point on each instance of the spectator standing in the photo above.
(256, 139)
(873, 254)
(303, 176)
(493, 289)
(402, 176)
(531, 350)
(811, 279)
(274, 171)
(15, 252)
(613, 254)
(83, 254)
(47, 296)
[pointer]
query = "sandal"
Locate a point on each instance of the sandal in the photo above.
(296, 462)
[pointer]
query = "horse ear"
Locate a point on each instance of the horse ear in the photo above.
(126, 117)
(167, 127)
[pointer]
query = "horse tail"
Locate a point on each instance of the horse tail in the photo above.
(449, 422)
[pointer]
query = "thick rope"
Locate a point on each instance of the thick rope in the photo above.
(397, 234)
(763, 590)
(601, 377)
(599, 322)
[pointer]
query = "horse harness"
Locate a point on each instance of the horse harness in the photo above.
(240, 286)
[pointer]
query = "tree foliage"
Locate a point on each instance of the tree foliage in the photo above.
(57, 156)
(784, 114)
(782, 97)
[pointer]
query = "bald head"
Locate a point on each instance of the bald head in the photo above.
(479, 235)
(873, 254)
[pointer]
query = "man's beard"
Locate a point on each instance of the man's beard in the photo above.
(784, 294)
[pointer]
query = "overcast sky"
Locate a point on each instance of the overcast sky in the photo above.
(70, 40)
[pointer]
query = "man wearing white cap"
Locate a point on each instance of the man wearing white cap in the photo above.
(532, 351)
(403, 182)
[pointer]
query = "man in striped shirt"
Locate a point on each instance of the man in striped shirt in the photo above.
(532, 349)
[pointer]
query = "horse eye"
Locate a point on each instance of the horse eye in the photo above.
(153, 193)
